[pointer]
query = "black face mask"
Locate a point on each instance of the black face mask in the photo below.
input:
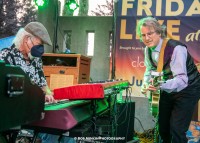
(37, 51)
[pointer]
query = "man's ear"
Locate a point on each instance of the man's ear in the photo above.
(24, 43)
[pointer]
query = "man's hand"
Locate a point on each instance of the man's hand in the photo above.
(154, 84)
(144, 88)
(152, 88)
(50, 99)
(48, 95)
(148, 87)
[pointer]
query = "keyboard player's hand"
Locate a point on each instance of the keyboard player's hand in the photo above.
(50, 99)
(48, 95)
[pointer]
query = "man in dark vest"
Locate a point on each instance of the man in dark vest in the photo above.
(179, 84)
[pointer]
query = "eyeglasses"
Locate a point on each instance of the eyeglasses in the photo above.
(37, 43)
(149, 34)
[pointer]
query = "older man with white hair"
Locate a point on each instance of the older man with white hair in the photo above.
(26, 52)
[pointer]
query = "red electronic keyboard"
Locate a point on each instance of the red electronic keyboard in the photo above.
(64, 115)
(96, 90)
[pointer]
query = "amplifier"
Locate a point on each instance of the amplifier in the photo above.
(123, 129)
(125, 121)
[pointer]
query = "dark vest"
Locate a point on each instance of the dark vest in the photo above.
(192, 72)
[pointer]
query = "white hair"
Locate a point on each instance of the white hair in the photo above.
(21, 34)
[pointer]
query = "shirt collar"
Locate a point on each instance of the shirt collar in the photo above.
(17, 51)
(158, 47)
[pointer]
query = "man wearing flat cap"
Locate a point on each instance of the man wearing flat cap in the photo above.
(26, 52)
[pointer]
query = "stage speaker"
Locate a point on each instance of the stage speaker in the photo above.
(125, 121)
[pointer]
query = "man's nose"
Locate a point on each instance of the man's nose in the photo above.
(146, 37)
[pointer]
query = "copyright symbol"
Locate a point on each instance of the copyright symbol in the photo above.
(75, 138)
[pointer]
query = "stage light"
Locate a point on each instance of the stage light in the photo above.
(40, 3)
(72, 5)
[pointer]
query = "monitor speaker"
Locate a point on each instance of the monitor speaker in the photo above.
(125, 121)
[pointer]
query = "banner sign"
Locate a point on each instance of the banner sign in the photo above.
(182, 19)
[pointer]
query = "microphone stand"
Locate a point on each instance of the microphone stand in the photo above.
(114, 39)
(55, 42)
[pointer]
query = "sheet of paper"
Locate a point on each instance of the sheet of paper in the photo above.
(60, 80)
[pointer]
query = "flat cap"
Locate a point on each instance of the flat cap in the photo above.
(38, 29)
